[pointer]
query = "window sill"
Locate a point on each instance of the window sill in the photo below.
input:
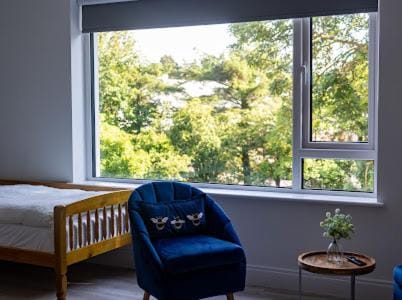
(263, 195)
(296, 197)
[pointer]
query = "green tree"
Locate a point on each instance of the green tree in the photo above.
(340, 78)
(133, 144)
(267, 46)
(350, 175)
(130, 90)
(117, 153)
(241, 87)
(163, 161)
(147, 155)
(195, 133)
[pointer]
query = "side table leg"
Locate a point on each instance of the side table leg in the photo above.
(352, 286)
(300, 284)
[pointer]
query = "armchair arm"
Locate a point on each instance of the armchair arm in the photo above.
(218, 223)
(141, 240)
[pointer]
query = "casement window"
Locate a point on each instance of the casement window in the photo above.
(334, 103)
(248, 96)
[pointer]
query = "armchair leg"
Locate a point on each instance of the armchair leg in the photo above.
(146, 296)
(230, 296)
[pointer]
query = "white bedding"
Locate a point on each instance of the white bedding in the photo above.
(30, 205)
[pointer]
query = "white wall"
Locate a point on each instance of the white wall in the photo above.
(38, 95)
(80, 98)
(41, 96)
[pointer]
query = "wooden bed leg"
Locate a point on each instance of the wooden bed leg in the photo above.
(60, 251)
(61, 286)
(146, 296)
(230, 296)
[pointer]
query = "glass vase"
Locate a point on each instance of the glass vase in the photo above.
(334, 252)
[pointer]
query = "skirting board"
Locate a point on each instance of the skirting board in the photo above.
(335, 286)
(283, 279)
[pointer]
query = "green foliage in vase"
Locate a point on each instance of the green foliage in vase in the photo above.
(337, 226)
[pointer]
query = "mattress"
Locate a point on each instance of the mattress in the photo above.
(32, 205)
(25, 237)
(42, 238)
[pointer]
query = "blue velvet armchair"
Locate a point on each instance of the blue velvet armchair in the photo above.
(191, 266)
(398, 283)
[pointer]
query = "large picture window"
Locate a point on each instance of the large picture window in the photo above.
(286, 104)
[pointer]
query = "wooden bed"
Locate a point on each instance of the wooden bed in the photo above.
(115, 201)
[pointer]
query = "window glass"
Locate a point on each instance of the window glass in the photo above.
(339, 175)
(199, 104)
(340, 67)
(214, 104)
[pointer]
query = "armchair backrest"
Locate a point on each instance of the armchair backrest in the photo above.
(217, 222)
(163, 191)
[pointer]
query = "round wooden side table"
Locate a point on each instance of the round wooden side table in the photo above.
(316, 262)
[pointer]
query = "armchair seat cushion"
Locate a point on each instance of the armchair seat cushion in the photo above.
(187, 253)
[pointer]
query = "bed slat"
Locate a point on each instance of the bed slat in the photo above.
(79, 230)
(126, 217)
(112, 216)
(70, 232)
(119, 220)
(104, 223)
(96, 229)
(88, 228)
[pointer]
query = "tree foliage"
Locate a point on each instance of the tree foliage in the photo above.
(239, 129)
(340, 78)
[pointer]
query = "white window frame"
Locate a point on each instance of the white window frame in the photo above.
(301, 146)
(93, 166)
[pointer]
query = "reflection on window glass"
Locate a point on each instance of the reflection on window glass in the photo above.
(202, 103)
(340, 78)
(345, 175)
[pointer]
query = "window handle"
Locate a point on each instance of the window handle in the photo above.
(306, 74)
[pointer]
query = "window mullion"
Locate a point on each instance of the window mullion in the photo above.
(299, 73)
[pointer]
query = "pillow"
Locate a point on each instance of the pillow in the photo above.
(167, 219)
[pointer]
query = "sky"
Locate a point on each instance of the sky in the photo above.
(182, 43)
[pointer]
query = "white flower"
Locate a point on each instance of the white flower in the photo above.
(328, 214)
(337, 211)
